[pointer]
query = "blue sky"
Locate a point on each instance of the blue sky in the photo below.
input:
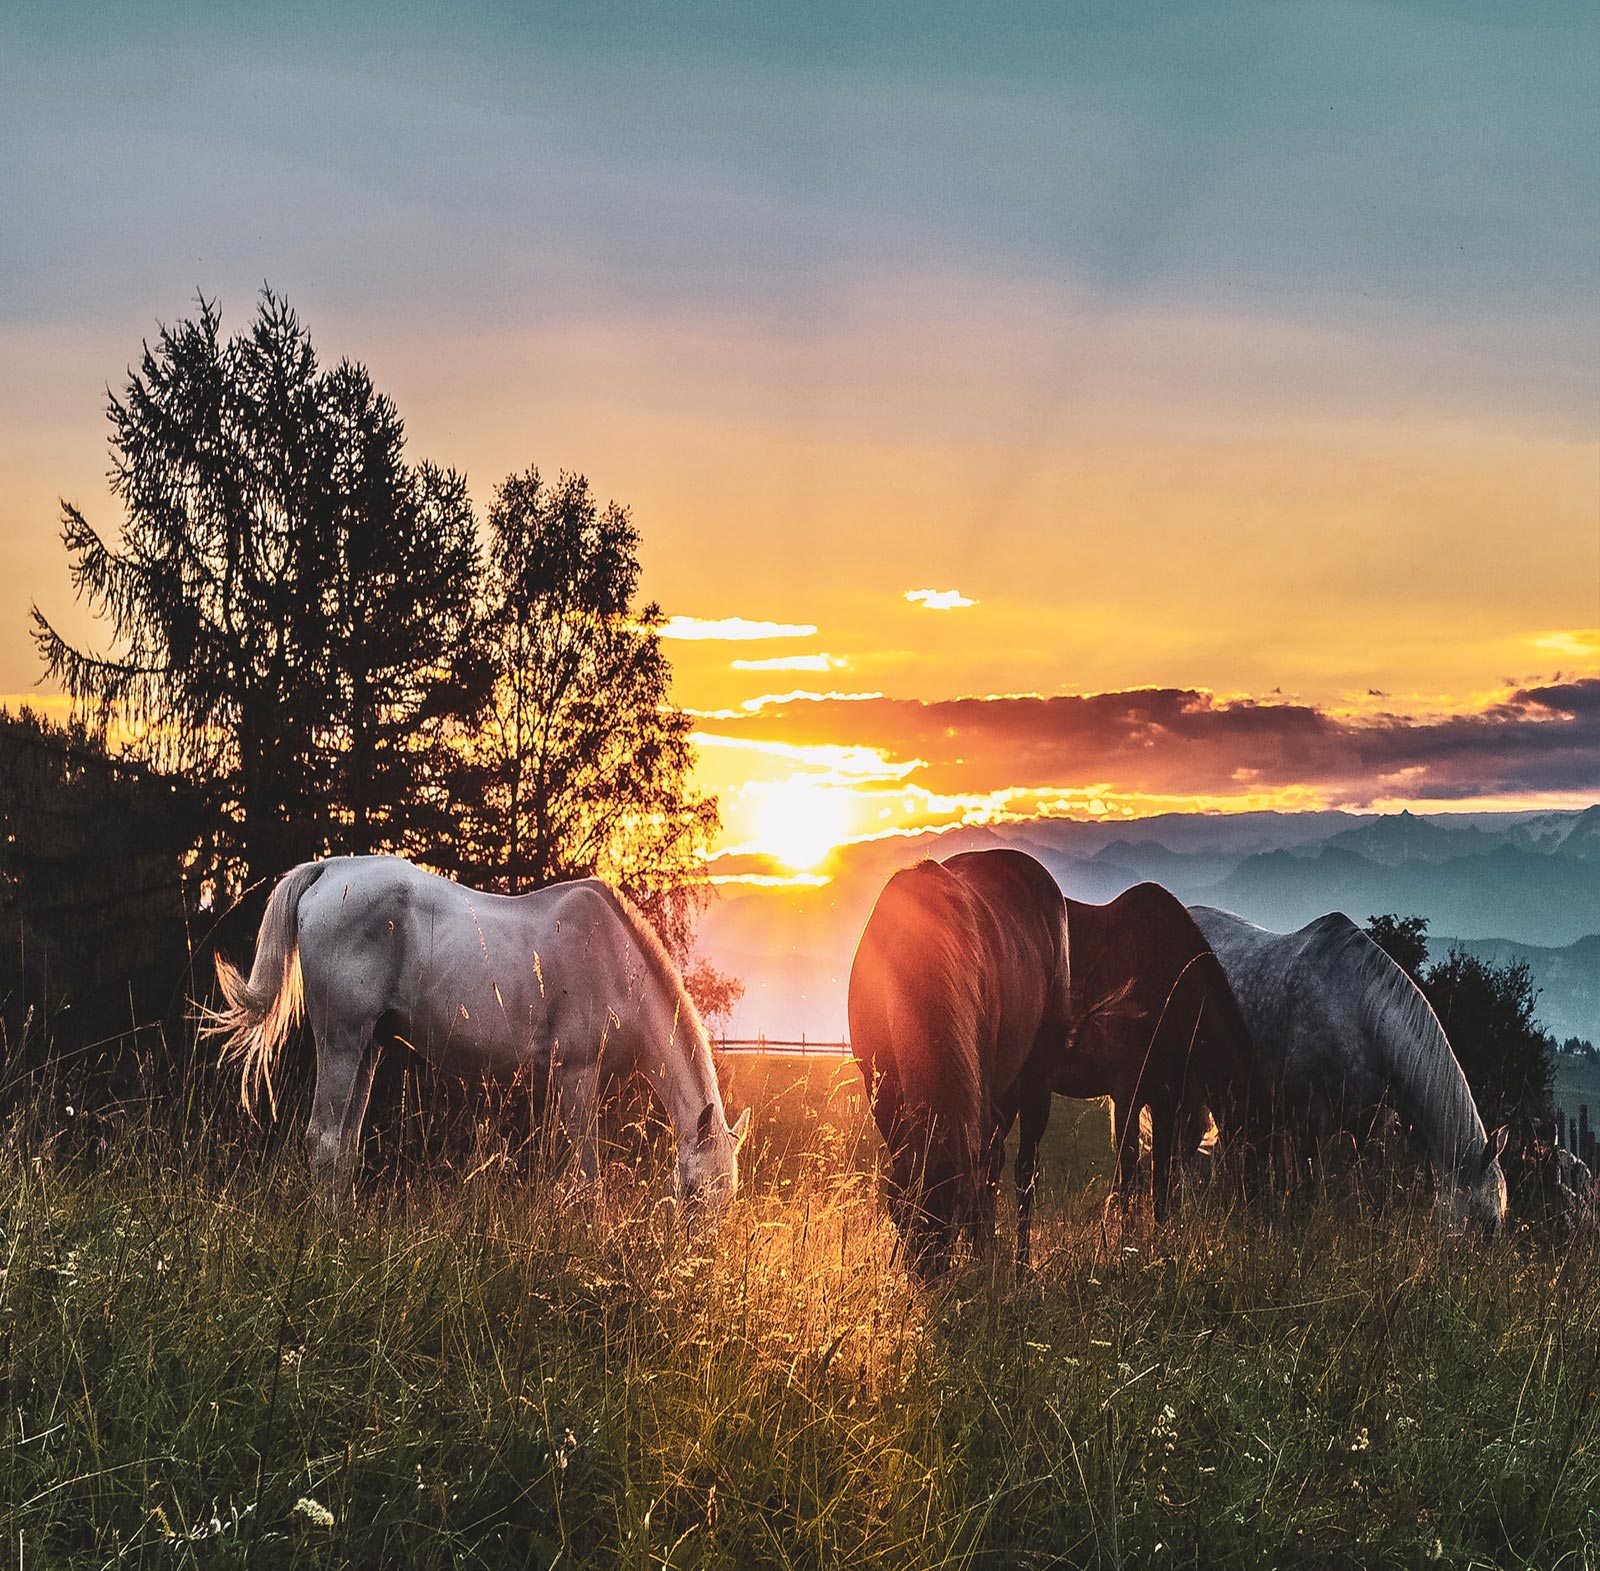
(1316, 159)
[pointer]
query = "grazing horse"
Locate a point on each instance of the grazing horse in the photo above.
(1154, 1026)
(567, 984)
(1343, 1031)
(960, 976)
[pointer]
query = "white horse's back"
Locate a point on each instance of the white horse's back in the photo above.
(482, 984)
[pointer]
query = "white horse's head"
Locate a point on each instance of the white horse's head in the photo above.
(708, 1164)
(1477, 1196)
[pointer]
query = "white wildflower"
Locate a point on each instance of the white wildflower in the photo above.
(569, 1444)
(317, 1514)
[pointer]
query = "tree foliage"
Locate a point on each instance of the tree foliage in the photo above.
(1488, 1013)
(1404, 939)
(582, 765)
(306, 652)
(100, 889)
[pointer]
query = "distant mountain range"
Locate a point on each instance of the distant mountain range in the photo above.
(1503, 885)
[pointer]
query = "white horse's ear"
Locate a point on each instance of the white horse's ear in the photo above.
(742, 1128)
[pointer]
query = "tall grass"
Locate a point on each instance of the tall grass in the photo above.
(201, 1364)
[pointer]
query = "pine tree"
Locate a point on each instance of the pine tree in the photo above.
(289, 603)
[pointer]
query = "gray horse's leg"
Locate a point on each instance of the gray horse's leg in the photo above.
(346, 1060)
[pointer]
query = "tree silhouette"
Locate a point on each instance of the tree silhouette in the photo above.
(290, 601)
(582, 765)
(100, 892)
(1487, 1012)
(1404, 939)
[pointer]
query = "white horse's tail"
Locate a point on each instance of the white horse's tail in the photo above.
(259, 1011)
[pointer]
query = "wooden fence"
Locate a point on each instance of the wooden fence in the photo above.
(799, 1047)
(1577, 1135)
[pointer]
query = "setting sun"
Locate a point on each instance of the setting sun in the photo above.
(800, 822)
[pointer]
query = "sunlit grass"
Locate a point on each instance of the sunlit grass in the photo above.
(200, 1365)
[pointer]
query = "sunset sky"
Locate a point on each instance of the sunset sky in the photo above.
(1028, 408)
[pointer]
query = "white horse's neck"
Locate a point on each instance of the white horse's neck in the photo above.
(675, 1058)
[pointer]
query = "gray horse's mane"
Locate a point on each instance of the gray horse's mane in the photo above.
(666, 972)
(1396, 1017)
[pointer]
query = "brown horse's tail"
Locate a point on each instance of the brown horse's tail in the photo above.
(259, 1011)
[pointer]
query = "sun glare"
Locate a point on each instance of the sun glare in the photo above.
(801, 822)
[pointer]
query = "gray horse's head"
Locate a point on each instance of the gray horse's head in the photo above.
(1476, 1197)
(708, 1163)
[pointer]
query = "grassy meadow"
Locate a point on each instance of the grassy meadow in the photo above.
(202, 1365)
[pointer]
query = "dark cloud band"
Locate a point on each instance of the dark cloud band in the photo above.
(1182, 741)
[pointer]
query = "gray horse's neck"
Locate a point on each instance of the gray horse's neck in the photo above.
(1433, 1093)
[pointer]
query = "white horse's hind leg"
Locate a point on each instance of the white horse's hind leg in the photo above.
(346, 1060)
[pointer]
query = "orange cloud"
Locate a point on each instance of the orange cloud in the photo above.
(794, 663)
(1178, 743)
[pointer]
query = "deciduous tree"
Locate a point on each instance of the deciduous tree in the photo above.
(583, 765)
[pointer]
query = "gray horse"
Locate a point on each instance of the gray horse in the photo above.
(564, 985)
(1344, 1031)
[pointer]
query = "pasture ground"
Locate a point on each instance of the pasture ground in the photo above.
(202, 1366)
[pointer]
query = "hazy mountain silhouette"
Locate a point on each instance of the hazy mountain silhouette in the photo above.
(1527, 882)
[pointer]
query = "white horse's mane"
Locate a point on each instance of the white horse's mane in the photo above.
(666, 973)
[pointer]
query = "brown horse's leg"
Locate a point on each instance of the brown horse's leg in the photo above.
(1162, 1135)
(1126, 1113)
(980, 1219)
(1035, 1115)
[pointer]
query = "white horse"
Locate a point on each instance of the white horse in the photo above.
(1341, 1027)
(567, 985)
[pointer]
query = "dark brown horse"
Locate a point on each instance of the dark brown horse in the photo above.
(959, 980)
(1155, 1026)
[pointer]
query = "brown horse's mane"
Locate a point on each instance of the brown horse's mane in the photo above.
(927, 918)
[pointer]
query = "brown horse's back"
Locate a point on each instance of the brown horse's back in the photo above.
(1158, 1025)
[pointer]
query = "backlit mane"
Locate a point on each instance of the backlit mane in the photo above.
(696, 1040)
(936, 914)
